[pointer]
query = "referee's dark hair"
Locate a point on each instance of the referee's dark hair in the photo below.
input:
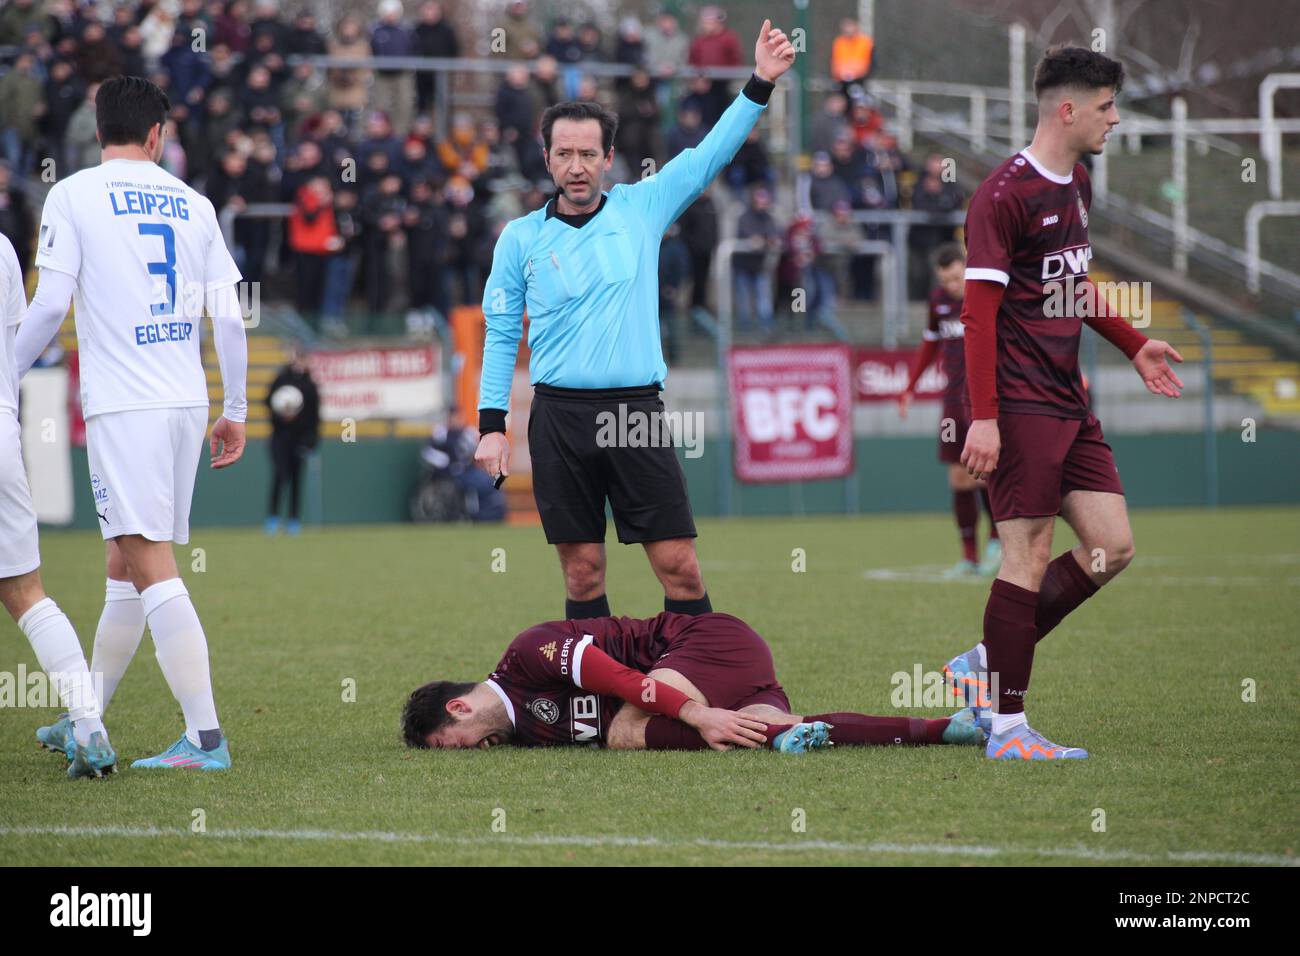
(126, 108)
(1078, 67)
(581, 110)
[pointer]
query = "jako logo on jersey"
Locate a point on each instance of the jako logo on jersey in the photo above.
(1051, 220)
(548, 651)
(1083, 212)
(586, 719)
(102, 909)
(1067, 261)
(547, 711)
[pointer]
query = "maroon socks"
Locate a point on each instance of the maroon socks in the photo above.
(1009, 638)
(966, 511)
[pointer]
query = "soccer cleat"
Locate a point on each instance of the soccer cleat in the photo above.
(968, 680)
(185, 755)
(964, 568)
(271, 526)
(803, 737)
(992, 558)
(93, 760)
(58, 737)
(293, 528)
(1025, 743)
(965, 727)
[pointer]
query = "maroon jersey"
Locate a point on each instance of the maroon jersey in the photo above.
(1027, 228)
(540, 676)
(944, 326)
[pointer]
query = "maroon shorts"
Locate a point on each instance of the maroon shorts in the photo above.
(950, 450)
(726, 659)
(1043, 459)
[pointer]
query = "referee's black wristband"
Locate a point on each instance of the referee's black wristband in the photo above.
(491, 420)
(758, 90)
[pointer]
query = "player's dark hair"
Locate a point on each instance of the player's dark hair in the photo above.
(426, 709)
(1076, 66)
(947, 254)
(581, 110)
(126, 108)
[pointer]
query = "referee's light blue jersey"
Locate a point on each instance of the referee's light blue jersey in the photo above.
(592, 293)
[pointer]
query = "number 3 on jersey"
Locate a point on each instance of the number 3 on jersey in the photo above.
(167, 267)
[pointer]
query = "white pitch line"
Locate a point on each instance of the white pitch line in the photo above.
(831, 846)
(932, 574)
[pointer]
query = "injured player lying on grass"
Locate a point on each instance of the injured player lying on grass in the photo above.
(670, 682)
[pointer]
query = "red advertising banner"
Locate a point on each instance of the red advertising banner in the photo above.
(389, 382)
(880, 375)
(792, 412)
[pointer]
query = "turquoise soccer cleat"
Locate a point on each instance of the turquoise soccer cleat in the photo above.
(58, 737)
(803, 737)
(93, 760)
(965, 727)
(992, 560)
(1025, 743)
(962, 569)
(185, 755)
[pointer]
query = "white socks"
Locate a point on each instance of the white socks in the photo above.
(1002, 723)
(182, 652)
(60, 656)
(121, 626)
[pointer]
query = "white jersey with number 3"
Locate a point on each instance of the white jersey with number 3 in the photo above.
(144, 248)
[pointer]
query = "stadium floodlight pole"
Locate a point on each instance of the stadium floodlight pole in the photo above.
(1016, 92)
(1179, 175)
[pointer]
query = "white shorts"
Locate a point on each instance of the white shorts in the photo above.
(18, 549)
(142, 469)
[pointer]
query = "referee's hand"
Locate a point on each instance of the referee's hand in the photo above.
(493, 455)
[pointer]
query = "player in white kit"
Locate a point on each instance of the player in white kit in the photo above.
(141, 255)
(47, 628)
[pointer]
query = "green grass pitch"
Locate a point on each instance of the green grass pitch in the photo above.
(1148, 676)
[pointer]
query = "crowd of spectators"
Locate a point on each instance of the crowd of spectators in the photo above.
(387, 215)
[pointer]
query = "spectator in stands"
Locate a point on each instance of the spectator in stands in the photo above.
(666, 49)
(637, 137)
(545, 86)
(629, 49)
(463, 153)
(751, 166)
(471, 255)
(825, 188)
(64, 92)
(674, 270)
(380, 138)
(523, 38)
(15, 217)
(20, 16)
(450, 452)
(266, 22)
(851, 55)
(805, 278)
(591, 43)
(81, 143)
(21, 106)
(226, 72)
(231, 27)
(702, 98)
(173, 158)
(382, 207)
(715, 45)
(304, 94)
(434, 36)
(261, 106)
(313, 237)
(851, 165)
(394, 90)
(426, 222)
(304, 37)
(417, 164)
(350, 87)
(190, 74)
(294, 435)
(563, 45)
(340, 268)
(829, 123)
(515, 105)
(751, 276)
(936, 191)
(687, 133)
(700, 231)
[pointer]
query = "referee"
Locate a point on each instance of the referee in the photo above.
(585, 268)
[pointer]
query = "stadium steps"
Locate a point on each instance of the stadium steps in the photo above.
(1241, 367)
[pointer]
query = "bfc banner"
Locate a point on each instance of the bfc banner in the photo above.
(398, 382)
(792, 412)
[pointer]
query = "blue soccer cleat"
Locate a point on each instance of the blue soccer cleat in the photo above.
(969, 680)
(185, 755)
(965, 727)
(1025, 743)
(58, 737)
(964, 568)
(93, 760)
(803, 737)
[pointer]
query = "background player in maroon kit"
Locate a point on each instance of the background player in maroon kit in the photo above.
(1032, 435)
(943, 337)
(671, 682)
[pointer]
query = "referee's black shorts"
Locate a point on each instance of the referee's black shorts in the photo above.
(573, 474)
